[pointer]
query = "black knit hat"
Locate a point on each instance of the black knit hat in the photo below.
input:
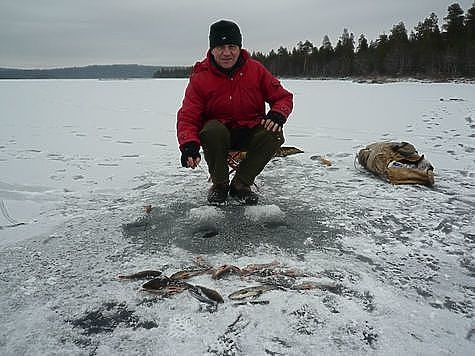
(224, 32)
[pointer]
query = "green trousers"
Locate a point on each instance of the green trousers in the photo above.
(217, 140)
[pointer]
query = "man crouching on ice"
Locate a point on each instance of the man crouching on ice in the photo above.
(224, 109)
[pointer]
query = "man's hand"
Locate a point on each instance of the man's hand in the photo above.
(273, 121)
(190, 155)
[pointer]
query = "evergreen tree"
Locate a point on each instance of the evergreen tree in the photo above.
(399, 34)
(326, 45)
(362, 60)
(428, 46)
(470, 23)
(362, 44)
(344, 53)
(326, 53)
(304, 50)
(379, 49)
(470, 40)
(454, 28)
(428, 29)
(455, 23)
(397, 60)
(283, 59)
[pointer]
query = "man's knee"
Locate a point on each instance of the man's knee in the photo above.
(214, 131)
(273, 139)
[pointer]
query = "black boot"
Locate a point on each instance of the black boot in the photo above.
(218, 193)
(243, 192)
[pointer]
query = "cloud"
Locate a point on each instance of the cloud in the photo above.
(52, 33)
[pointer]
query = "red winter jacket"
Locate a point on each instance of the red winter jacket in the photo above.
(236, 101)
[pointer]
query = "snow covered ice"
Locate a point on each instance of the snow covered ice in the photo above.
(79, 160)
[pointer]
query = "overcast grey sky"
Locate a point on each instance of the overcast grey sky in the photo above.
(60, 33)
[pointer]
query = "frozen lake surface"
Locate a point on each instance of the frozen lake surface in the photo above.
(79, 160)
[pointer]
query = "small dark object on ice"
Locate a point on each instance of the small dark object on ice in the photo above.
(224, 270)
(322, 160)
(470, 333)
(256, 268)
(210, 233)
(165, 287)
(252, 302)
(205, 295)
(287, 151)
(157, 283)
(251, 292)
(187, 274)
(141, 275)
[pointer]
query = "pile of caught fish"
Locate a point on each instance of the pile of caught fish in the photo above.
(271, 276)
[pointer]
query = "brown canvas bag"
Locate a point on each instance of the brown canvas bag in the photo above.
(397, 162)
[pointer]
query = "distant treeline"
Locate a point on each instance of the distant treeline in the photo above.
(173, 72)
(427, 52)
(113, 71)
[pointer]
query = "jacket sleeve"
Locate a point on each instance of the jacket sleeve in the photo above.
(276, 95)
(189, 116)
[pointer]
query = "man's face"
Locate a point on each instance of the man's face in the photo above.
(226, 56)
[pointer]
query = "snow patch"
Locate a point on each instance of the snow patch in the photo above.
(205, 213)
(264, 213)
